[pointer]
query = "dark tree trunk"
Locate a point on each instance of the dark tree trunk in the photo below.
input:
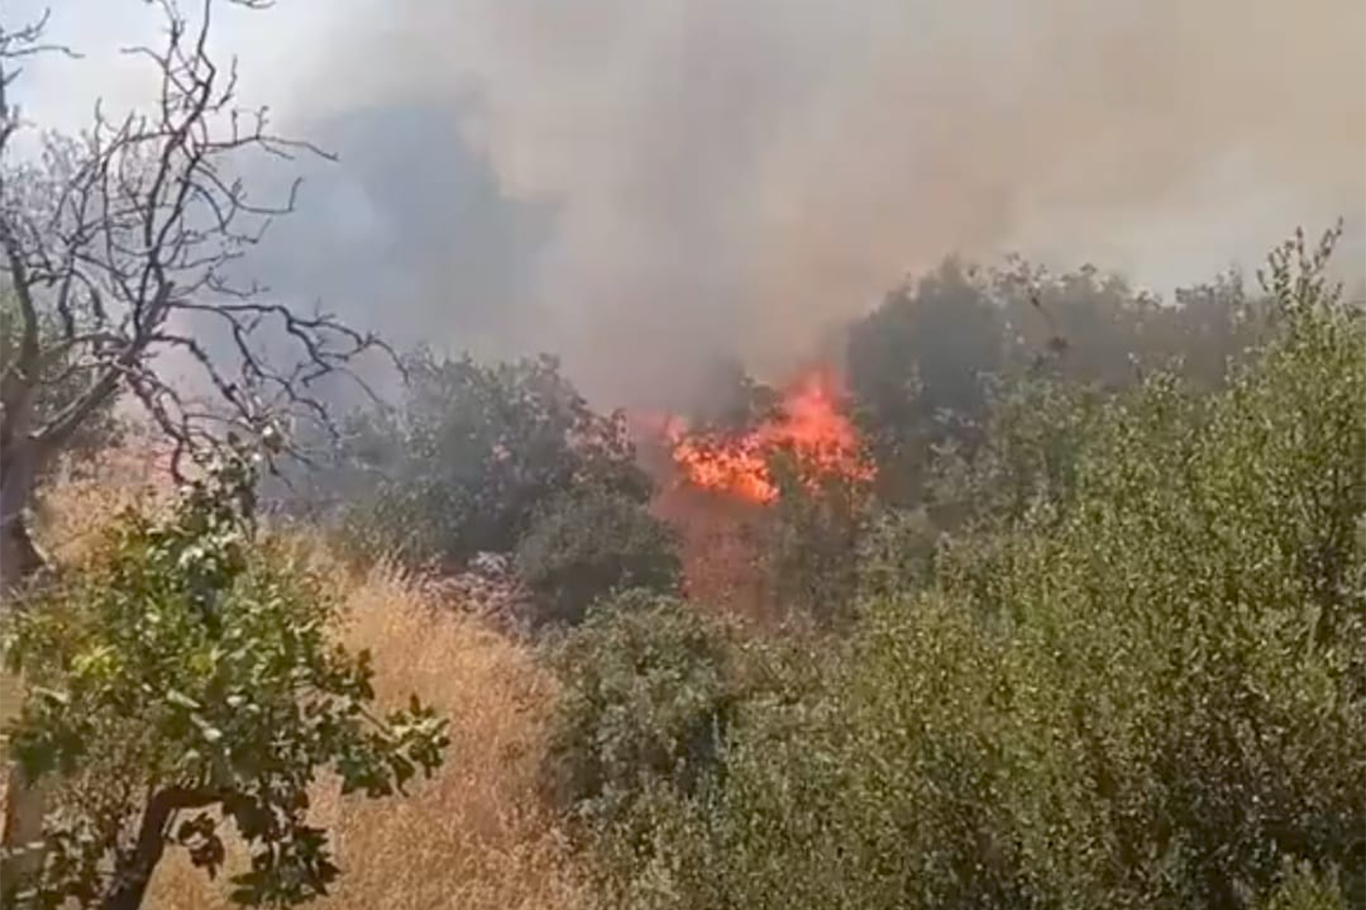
(134, 872)
(19, 558)
(20, 561)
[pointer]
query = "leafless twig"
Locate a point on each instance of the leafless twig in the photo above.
(120, 255)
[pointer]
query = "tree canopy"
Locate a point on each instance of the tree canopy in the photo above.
(470, 455)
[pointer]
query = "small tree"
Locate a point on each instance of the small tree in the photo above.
(812, 539)
(916, 370)
(591, 543)
(472, 456)
(646, 702)
(120, 247)
(187, 680)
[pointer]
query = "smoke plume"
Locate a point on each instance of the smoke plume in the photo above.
(646, 187)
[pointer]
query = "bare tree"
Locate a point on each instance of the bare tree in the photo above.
(118, 253)
(118, 250)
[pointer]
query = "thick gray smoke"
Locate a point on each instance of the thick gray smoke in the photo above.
(646, 186)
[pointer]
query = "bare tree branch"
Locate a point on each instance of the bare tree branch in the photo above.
(121, 253)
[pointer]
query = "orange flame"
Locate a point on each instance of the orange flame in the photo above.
(808, 423)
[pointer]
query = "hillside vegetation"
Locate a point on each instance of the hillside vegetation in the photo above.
(1134, 682)
(1090, 637)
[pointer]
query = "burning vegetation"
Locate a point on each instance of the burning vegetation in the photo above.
(739, 470)
(808, 423)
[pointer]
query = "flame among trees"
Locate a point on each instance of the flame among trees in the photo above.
(808, 424)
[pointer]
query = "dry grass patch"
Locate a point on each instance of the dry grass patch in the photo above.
(474, 837)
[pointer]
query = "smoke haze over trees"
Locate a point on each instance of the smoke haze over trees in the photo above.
(670, 182)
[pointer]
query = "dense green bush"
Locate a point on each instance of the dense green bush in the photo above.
(811, 539)
(645, 704)
(923, 366)
(894, 554)
(1140, 687)
(1026, 464)
(1302, 887)
(917, 366)
(590, 543)
(471, 457)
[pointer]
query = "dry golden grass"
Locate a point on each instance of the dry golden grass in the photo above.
(474, 837)
(75, 510)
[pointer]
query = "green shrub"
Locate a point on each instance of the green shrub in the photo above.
(186, 680)
(916, 370)
(645, 703)
(1027, 463)
(1147, 694)
(811, 541)
(895, 552)
(1304, 888)
(923, 364)
(470, 458)
(591, 543)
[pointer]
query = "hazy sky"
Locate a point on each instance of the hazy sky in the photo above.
(644, 184)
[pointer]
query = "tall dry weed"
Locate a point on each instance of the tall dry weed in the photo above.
(78, 506)
(476, 837)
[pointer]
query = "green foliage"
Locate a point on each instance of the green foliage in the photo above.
(894, 555)
(1139, 686)
(1026, 464)
(188, 679)
(590, 543)
(472, 455)
(916, 369)
(923, 366)
(645, 703)
(812, 538)
(1304, 888)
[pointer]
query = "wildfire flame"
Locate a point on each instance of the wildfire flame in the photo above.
(808, 423)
